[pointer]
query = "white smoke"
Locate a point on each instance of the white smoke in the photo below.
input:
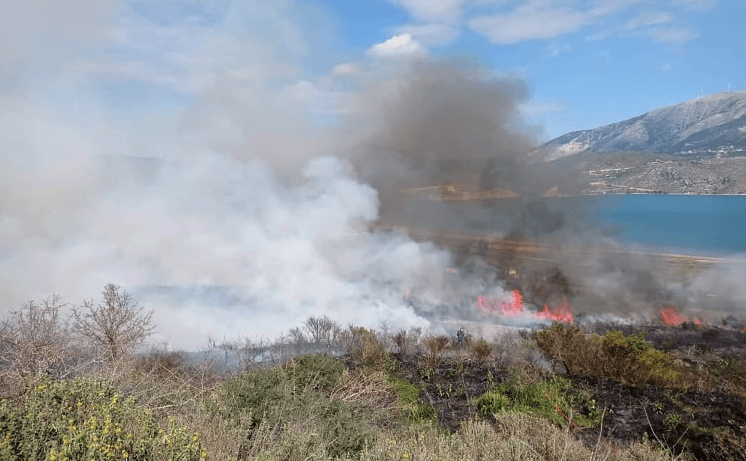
(219, 210)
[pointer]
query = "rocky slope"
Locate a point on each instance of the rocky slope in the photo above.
(712, 125)
(696, 147)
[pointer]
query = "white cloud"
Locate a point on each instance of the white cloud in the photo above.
(556, 49)
(661, 27)
(433, 10)
(433, 34)
(540, 108)
(674, 35)
(647, 19)
(696, 4)
(398, 46)
(542, 20)
(530, 21)
(345, 69)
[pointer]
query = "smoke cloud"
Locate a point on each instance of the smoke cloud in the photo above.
(229, 212)
(170, 150)
(440, 121)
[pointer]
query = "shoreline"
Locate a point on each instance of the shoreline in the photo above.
(528, 249)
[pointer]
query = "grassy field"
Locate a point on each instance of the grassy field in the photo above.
(561, 393)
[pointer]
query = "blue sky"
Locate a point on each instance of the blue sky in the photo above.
(587, 62)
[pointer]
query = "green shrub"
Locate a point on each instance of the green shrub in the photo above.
(293, 395)
(369, 351)
(84, 419)
(629, 359)
(408, 395)
(346, 432)
(549, 398)
(251, 395)
(315, 371)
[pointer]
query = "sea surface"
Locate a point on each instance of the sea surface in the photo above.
(688, 224)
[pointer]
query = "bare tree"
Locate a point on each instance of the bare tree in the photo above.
(406, 340)
(34, 340)
(319, 329)
(117, 324)
(297, 336)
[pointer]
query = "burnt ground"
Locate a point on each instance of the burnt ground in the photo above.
(707, 421)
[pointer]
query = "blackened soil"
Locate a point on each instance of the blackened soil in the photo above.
(710, 425)
(450, 385)
(696, 422)
(726, 342)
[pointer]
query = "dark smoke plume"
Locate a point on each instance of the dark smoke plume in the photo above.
(441, 122)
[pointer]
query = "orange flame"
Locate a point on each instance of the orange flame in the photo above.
(561, 313)
(511, 308)
(514, 308)
(672, 317)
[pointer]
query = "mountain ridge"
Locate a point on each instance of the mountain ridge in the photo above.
(705, 126)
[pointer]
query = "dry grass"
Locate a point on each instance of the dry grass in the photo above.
(368, 389)
(515, 437)
(481, 349)
(435, 345)
(308, 421)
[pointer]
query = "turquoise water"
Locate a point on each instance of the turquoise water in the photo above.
(691, 224)
(701, 223)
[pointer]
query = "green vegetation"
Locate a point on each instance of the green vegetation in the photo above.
(295, 395)
(549, 398)
(85, 419)
(66, 394)
(628, 359)
(409, 397)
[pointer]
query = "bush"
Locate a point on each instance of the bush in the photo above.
(35, 340)
(409, 397)
(548, 398)
(314, 371)
(294, 395)
(117, 325)
(83, 419)
(630, 359)
(435, 345)
(251, 395)
(406, 340)
(481, 349)
(368, 350)
(163, 364)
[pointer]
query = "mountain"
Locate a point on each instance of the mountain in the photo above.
(709, 126)
(696, 147)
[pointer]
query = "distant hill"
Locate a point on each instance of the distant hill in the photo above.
(696, 147)
(709, 126)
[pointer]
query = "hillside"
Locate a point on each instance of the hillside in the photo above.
(696, 147)
(710, 126)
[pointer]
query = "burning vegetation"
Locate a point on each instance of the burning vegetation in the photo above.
(323, 391)
(514, 308)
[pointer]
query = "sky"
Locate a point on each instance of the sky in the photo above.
(588, 62)
(220, 159)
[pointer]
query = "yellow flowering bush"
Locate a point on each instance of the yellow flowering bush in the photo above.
(86, 419)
